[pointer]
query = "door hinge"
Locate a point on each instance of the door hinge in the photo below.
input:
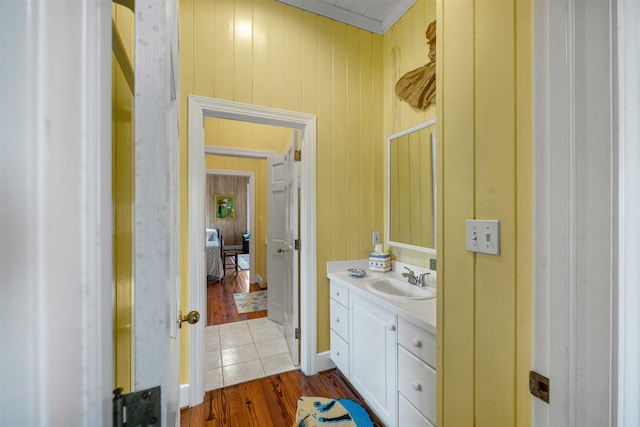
(297, 333)
(539, 386)
(140, 408)
(296, 244)
(297, 155)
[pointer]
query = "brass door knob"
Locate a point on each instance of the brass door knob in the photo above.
(191, 318)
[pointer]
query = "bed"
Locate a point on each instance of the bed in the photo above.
(213, 253)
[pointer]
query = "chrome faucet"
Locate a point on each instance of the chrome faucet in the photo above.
(419, 280)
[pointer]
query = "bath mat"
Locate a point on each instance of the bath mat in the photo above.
(253, 301)
(243, 261)
(325, 412)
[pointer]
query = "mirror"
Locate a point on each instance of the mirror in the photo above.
(411, 189)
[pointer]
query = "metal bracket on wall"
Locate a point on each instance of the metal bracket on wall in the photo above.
(297, 155)
(140, 408)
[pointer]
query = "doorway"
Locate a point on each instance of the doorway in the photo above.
(241, 343)
(199, 108)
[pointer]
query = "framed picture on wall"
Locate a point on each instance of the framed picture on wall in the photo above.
(225, 206)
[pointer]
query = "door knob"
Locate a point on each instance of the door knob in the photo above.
(280, 250)
(191, 318)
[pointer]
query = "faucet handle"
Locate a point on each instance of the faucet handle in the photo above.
(410, 271)
(422, 277)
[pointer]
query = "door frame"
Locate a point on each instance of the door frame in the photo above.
(251, 203)
(56, 263)
(199, 108)
(586, 236)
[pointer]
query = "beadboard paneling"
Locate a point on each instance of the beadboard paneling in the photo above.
(231, 230)
(267, 53)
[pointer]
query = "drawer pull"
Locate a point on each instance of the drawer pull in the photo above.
(337, 320)
(392, 327)
(337, 293)
(337, 352)
(417, 386)
(417, 343)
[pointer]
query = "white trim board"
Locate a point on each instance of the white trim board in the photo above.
(575, 228)
(199, 108)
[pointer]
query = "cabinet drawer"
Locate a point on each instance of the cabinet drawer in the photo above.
(417, 382)
(417, 341)
(409, 416)
(339, 320)
(340, 353)
(339, 293)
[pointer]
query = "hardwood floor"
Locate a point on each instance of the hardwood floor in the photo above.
(221, 308)
(268, 402)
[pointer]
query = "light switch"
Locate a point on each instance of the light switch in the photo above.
(483, 236)
(375, 238)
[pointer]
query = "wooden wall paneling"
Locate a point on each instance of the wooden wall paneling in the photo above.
(340, 123)
(325, 170)
(365, 161)
(310, 60)
(223, 61)
(243, 51)
(262, 34)
(231, 230)
(377, 133)
(294, 31)
(495, 198)
(355, 181)
(524, 209)
(278, 56)
(123, 193)
(456, 266)
(203, 44)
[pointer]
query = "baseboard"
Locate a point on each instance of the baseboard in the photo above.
(184, 395)
(324, 361)
(260, 282)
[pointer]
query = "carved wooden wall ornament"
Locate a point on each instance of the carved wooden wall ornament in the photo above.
(418, 87)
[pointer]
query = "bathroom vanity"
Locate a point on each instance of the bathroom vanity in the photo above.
(383, 339)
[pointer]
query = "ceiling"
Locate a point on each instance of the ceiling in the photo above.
(376, 16)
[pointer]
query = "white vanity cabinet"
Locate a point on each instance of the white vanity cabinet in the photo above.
(416, 376)
(339, 324)
(373, 338)
(387, 351)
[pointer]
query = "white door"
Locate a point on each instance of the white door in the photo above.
(156, 210)
(282, 257)
(56, 274)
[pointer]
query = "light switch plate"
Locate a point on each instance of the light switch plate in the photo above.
(375, 238)
(483, 236)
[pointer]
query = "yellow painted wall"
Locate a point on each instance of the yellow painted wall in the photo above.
(296, 61)
(404, 49)
(484, 104)
(123, 193)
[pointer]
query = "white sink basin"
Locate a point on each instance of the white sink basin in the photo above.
(395, 288)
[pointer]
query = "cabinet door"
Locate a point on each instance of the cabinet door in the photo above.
(373, 356)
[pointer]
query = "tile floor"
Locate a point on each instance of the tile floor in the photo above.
(243, 351)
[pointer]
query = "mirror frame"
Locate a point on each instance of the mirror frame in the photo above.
(387, 221)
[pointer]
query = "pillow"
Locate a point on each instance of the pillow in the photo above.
(212, 234)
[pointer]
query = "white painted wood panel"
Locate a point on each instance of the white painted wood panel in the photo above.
(376, 16)
(56, 254)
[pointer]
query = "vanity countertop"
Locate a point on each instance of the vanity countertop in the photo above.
(420, 312)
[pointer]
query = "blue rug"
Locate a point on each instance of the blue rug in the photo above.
(325, 412)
